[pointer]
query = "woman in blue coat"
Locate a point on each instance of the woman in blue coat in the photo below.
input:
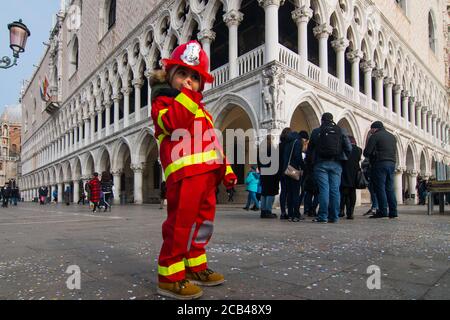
(252, 182)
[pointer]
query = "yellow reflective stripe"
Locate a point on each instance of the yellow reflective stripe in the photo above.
(187, 103)
(161, 137)
(160, 123)
(201, 114)
(195, 262)
(172, 269)
(229, 170)
(190, 160)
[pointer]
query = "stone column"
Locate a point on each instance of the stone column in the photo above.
(398, 185)
(116, 100)
(138, 170)
(423, 118)
(76, 191)
(126, 106)
(405, 102)
(429, 114)
(86, 131)
(60, 192)
(138, 83)
(339, 46)
(99, 123)
(52, 189)
(355, 57)
(301, 16)
(116, 181)
(379, 87)
(412, 181)
(232, 19)
(367, 67)
(323, 32)
(148, 74)
(271, 28)
(397, 99)
(92, 127)
(433, 126)
(389, 83)
(108, 105)
(413, 112)
(206, 37)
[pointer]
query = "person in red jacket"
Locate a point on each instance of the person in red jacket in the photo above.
(193, 167)
(95, 188)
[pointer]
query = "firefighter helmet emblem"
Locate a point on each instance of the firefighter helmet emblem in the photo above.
(191, 54)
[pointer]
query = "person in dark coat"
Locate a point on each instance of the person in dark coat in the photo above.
(67, 195)
(292, 155)
(95, 188)
(350, 169)
(6, 194)
(107, 190)
(269, 180)
(283, 191)
(43, 193)
(381, 149)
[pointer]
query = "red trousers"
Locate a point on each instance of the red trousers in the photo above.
(191, 206)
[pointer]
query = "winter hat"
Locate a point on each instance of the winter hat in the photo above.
(327, 117)
(377, 125)
(304, 135)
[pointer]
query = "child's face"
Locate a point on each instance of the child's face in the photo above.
(187, 78)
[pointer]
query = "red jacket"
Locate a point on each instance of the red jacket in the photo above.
(95, 188)
(171, 110)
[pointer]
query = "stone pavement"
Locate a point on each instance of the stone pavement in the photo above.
(261, 259)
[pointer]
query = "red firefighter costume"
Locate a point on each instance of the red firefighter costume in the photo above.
(192, 172)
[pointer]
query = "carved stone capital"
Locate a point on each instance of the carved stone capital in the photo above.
(355, 56)
(138, 83)
(389, 82)
(206, 35)
(126, 91)
(323, 31)
(398, 88)
(367, 66)
(340, 44)
(302, 14)
(117, 172)
(233, 17)
(266, 3)
(378, 74)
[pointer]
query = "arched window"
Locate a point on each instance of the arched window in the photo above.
(431, 32)
(74, 57)
(111, 14)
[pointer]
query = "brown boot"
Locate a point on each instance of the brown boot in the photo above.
(207, 278)
(181, 290)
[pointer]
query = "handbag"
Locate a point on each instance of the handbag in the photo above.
(361, 181)
(290, 171)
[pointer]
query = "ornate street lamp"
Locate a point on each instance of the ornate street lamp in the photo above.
(18, 35)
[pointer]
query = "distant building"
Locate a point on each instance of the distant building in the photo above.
(10, 137)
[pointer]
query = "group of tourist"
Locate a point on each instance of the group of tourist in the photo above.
(330, 171)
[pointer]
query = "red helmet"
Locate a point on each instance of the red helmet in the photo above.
(192, 56)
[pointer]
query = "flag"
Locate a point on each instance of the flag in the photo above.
(43, 90)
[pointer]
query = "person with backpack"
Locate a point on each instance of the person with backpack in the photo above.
(328, 147)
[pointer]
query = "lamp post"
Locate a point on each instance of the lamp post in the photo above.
(18, 35)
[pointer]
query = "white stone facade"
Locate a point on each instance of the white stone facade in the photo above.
(388, 64)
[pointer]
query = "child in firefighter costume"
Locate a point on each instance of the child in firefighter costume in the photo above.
(193, 167)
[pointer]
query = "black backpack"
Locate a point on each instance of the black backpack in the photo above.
(329, 145)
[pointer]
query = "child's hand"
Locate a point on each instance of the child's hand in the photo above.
(230, 180)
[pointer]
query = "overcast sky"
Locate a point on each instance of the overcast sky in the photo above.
(37, 15)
